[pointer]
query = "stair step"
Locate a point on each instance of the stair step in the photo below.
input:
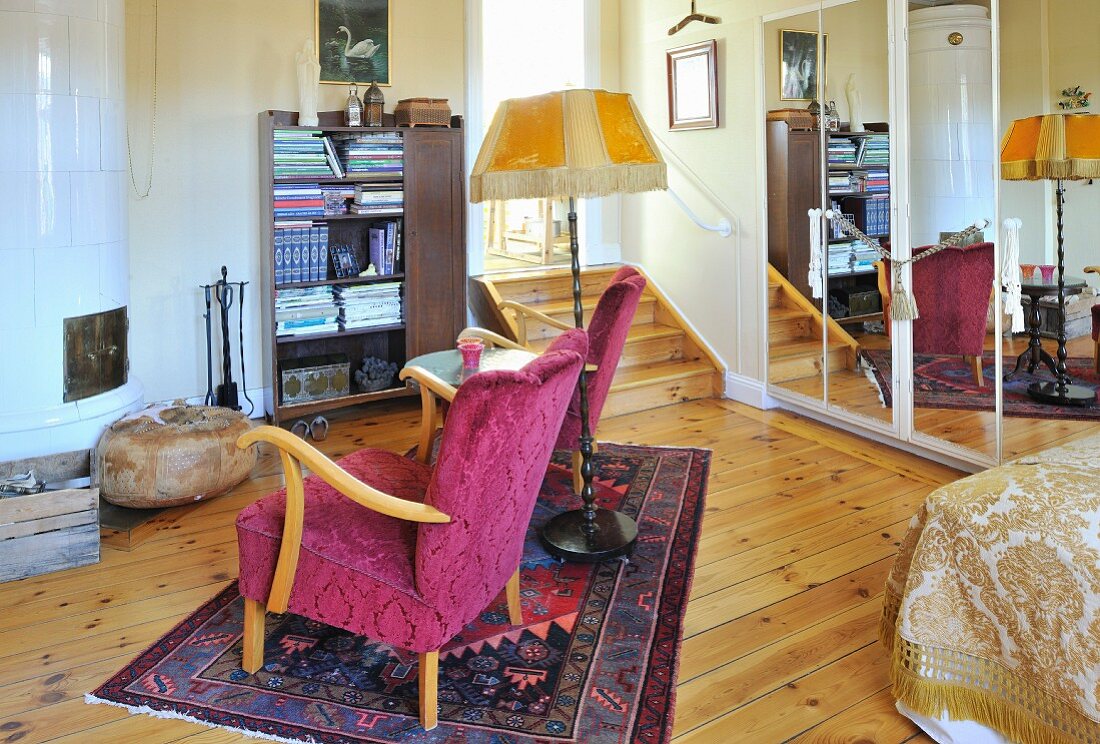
(797, 360)
(563, 310)
(645, 343)
(786, 323)
(533, 287)
(775, 294)
(648, 386)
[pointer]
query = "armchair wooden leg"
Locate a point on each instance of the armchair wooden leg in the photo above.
(976, 363)
(515, 613)
(429, 689)
(254, 613)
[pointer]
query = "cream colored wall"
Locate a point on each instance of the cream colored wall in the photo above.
(220, 63)
(716, 282)
(850, 49)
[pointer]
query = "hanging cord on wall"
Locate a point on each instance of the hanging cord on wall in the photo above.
(1010, 273)
(902, 304)
(153, 119)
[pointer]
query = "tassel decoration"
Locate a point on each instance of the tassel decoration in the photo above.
(902, 304)
(817, 283)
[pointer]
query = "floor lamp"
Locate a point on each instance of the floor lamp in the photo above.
(1055, 147)
(572, 144)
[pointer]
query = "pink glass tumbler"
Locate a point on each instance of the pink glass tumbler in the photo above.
(471, 352)
(1048, 273)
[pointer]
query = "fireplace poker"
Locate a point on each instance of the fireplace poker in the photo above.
(209, 399)
(227, 390)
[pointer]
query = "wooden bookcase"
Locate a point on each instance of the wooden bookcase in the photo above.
(795, 166)
(433, 270)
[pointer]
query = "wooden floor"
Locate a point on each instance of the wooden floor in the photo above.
(801, 527)
(852, 391)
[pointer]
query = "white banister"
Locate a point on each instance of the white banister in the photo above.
(725, 225)
(723, 228)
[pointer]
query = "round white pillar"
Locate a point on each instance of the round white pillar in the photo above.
(953, 136)
(63, 248)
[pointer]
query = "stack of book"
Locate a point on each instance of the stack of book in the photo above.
(877, 180)
(301, 254)
(300, 152)
(384, 246)
(336, 198)
(306, 311)
(369, 305)
(876, 150)
(375, 153)
(840, 183)
(842, 151)
(297, 201)
(872, 216)
(368, 200)
(851, 256)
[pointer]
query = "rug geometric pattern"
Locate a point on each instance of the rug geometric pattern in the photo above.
(947, 382)
(595, 662)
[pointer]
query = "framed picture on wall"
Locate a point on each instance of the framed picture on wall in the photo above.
(353, 41)
(798, 64)
(693, 86)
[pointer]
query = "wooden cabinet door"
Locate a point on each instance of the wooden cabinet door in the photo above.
(435, 246)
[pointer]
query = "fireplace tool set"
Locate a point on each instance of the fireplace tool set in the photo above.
(225, 293)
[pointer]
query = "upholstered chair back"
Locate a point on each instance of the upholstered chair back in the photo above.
(607, 331)
(495, 449)
(952, 291)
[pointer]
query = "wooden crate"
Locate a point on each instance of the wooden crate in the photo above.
(49, 531)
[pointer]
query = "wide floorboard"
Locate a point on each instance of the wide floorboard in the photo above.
(801, 528)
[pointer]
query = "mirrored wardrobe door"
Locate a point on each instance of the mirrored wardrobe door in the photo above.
(1049, 57)
(797, 355)
(952, 168)
(856, 180)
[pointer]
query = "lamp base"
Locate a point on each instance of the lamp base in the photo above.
(615, 536)
(1075, 395)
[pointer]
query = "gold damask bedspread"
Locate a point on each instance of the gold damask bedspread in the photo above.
(992, 609)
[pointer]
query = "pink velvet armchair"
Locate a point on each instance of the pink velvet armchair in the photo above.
(952, 291)
(607, 332)
(390, 548)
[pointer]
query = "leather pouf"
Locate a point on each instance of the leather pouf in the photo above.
(168, 455)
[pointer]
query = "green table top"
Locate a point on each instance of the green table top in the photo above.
(447, 365)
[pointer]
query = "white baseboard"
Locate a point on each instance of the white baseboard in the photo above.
(748, 391)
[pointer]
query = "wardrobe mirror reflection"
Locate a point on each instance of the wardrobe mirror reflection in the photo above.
(1048, 49)
(953, 165)
(828, 148)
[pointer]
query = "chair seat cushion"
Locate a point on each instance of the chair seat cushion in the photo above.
(355, 569)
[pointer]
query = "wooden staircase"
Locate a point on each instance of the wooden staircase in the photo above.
(794, 336)
(663, 361)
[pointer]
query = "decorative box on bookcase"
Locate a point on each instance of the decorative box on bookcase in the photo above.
(411, 226)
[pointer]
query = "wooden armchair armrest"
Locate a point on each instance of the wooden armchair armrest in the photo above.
(293, 452)
(523, 313)
(493, 339)
(431, 387)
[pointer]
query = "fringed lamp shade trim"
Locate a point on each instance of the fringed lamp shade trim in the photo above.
(580, 143)
(1052, 146)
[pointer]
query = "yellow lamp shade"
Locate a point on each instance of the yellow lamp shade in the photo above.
(578, 143)
(1052, 146)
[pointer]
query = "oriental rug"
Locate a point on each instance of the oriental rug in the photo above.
(947, 382)
(596, 661)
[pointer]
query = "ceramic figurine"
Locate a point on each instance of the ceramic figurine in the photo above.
(855, 105)
(309, 75)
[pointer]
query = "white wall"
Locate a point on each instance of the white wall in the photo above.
(220, 64)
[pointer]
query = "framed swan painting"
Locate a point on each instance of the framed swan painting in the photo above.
(353, 41)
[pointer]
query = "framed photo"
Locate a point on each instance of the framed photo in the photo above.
(353, 41)
(693, 86)
(798, 64)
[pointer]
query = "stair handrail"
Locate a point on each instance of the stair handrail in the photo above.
(725, 225)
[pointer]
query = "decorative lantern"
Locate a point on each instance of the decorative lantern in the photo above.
(373, 102)
(353, 109)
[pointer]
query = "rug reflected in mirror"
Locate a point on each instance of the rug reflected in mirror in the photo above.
(595, 662)
(947, 382)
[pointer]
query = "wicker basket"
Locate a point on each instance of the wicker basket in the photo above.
(423, 112)
(795, 118)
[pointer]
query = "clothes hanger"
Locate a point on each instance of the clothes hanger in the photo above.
(693, 16)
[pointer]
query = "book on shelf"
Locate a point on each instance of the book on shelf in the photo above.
(305, 311)
(300, 152)
(369, 305)
(382, 240)
(332, 157)
(301, 253)
(374, 153)
(297, 200)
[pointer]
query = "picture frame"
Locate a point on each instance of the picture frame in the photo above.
(353, 41)
(693, 86)
(798, 64)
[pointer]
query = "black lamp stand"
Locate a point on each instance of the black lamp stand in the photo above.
(1062, 391)
(588, 534)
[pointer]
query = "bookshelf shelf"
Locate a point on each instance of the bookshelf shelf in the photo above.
(424, 241)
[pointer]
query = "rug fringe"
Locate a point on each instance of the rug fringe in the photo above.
(91, 699)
